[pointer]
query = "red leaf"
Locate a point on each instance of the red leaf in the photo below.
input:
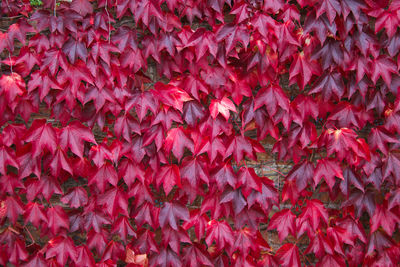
(57, 219)
(176, 141)
(222, 107)
(284, 222)
(62, 248)
(168, 176)
(221, 233)
(314, 212)
(83, 7)
(42, 136)
(288, 255)
(328, 169)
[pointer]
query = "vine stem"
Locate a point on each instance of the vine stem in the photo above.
(30, 235)
(109, 22)
(11, 65)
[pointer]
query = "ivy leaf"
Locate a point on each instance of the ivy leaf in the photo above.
(12, 86)
(176, 141)
(42, 136)
(83, 7)
(62, 248)
(288, 255)
(284, 222)
(221, 233)
(328, 169)
(168, 176)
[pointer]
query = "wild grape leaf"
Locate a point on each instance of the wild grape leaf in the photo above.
(104, 175)
(391, 166)
(302, 69)
(249, 180)
(382, 66)
(125, 125)
(99, 154)
(194, 84)
(130, 172)
(235, 199)
(7, 157)
(44, 82)
(74, 49)
(394, 199)
(379, 138)
(195, 255)
(328, 169)
(75, 198)
(123, 228)
(13, 208)
(42, 136)
(329, 53)
(378, 240)
(166, 117)
(28, 58)
(62, 248)
(97, 241)
(265, 25)
(288, 255)
(168, 176)
(193, 111)
(171, 95)
(329, 84)
(385, 218)
(9, 183)
(198, 221)
(12, 86)
(239, 147)
(171, 213)
(18, 252)
(232, 33)
(303, 107)
(222, 107)
(301, 173)
(146, 213)
(194, 169)
(215, 127)
(74, 75)
(284, 222)
(272, 97)
(83, 7)
(223, 175)
(154, 133)
(57, 219)
(84, 256)
(166, 257)
(362, 201)
(60, 161)
(125, 37)
(246, 241)
(174, 238)
(320, 245)
(146, 10)
(340, 141)
(221, 233)
(36, 261)
(330, 7)
(314, 212)
(35, 214)
(266, 198)
(350, 178)
(176, 141)
(387, 19)
(114, 201)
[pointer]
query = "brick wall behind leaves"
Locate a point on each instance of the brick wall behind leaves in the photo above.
(199, 133)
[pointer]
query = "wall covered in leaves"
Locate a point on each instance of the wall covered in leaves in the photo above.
(199, 133)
